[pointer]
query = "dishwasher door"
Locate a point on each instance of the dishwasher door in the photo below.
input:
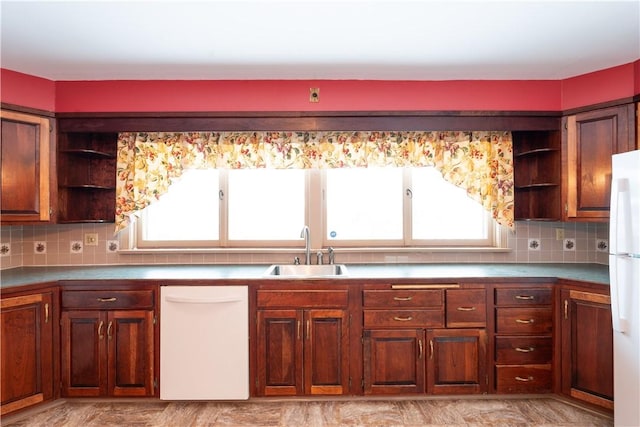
(204, 342)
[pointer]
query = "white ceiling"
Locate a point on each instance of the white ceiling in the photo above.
(347, 39)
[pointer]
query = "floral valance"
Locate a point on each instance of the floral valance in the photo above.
(479, 162)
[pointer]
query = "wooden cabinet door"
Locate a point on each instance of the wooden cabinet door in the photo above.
(394, 361)
(457, 361)
(25, 158)
(27, 351)
(591, 139)
(130, 353)
(84, 345)
(326, 352)
(587, 347)
(280, 353)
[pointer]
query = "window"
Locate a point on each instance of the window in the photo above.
(351, 207)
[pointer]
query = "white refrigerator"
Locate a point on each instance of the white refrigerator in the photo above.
(624, 271)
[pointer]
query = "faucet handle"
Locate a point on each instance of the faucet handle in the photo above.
(296, 261)
(319, 256)
(332, 255)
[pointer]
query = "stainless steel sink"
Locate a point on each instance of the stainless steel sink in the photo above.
(306, 270)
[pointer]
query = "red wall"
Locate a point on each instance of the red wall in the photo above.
(335, 95)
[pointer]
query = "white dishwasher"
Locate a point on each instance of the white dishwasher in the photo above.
(204, 342)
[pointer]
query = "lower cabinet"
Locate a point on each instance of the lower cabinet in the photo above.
(27, 328)
(108, 345)
(302, 350)
(587, 346)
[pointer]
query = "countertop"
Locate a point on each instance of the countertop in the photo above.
(173, 274)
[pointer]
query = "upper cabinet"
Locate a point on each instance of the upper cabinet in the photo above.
(589, 141)
(26, 165)
(86, 177)
(537, 176)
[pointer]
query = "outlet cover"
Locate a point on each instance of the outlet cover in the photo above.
(559, 233)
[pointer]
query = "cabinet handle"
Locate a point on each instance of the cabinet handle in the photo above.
(402, 298)
(420, 349)
(431, 349)
(299, 328)
(465, 308)
(308, 329)
(100, 328)
(566, 309)
(524, 379)
(525, 321)
(112, 299)
(46, 313)
(110, 330)
(524, 350)
(524, 297)
(403, 319)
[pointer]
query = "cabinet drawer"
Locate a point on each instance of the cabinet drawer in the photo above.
(523, 296)
(403, 298)
(107, 299)
(523, 379)
(403, 318)
(523, 350)
(466, 308)
(302, 299)
(520, 320)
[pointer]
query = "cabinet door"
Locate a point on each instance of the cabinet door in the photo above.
(587, 347)
(394, 361)
(326, 352)
(591, 139)
(457, 361)
(130, 353)
(27, 351)
(84, 365)
(24, 148)
(279, 358)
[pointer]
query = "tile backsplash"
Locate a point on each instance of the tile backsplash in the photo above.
(59, 245)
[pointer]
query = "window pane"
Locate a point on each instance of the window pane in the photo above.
(440, 210)
(364, 203)
(189, 211)
(266, 204)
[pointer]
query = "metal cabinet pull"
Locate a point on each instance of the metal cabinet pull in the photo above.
(110, 330)
(525, 321)
(524, 350)
(566, 309)
(465, 308)
(299, 328)
(431, 348)
(403, 319)
(402, 298)
(308, 329)
(524, 297)
(112, 299)
(529, 378)
(420, 350)
(46, 313)
(100, 328)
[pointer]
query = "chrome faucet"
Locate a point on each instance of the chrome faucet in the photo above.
(332, 255)
(307, 244)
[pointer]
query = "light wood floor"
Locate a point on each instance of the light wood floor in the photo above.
(313, 413)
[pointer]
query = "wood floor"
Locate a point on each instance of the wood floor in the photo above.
(313, 413)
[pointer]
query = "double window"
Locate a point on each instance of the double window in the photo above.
(350, 207)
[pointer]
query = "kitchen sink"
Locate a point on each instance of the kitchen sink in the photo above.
(306, 271)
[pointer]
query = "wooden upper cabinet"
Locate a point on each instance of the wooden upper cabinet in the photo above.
(590, 139)
(25, 148)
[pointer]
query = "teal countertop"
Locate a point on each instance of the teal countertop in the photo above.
(595, 273)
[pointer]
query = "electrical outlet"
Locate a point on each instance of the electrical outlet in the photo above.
(559, 233)
(314, 94)
(91, 239)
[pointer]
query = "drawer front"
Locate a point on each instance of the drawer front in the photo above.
(107, 299)
(523, 350)
(403, 298)
(302, 299)
(403, 318)
(520, 320)
(523, 296)
(523, 379)
(466, 308)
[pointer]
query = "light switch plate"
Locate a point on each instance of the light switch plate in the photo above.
(91, 239)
